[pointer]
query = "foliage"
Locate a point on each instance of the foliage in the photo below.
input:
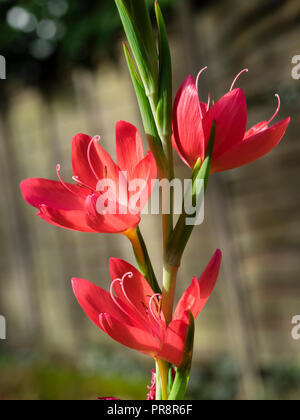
(43, 39)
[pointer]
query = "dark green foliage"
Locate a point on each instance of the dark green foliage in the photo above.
(46, 39)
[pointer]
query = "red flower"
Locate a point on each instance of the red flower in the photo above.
(152, 387)
(234, 146)
(131, 313)
(76, 207)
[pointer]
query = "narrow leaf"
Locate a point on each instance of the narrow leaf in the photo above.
(146, 113)
(164, 108)
(183, 371)
(138, 49)
(140, 13)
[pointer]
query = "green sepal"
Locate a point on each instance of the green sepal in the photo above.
(183, 371)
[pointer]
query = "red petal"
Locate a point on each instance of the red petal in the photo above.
(129, 147)
(187, 126)
(128, 335)
(81, 167)
(142, 183)
(230, 114)
(251, 148)
(208, 279)
(67, 219)
(189, 300)
(137, 288)
(95, 300)
(196, 296)
(38, 191)
(172, 348)
(109, 223)
(263, 125)
(100, 165)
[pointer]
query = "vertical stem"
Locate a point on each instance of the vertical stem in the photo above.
(169, 217)
(164, 372)
(142, 257)
(158, 393)
(168, 293)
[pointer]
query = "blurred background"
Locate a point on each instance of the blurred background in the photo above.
(66, 74)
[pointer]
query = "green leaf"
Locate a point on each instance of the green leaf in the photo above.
(164, 107)
(146, 113)
(139, 51)
(183, 371)
(182, 230)
(140, 13)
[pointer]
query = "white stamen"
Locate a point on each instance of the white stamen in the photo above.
(95, 139)
(61, 180)
(235, 80)
(277, 110)
(197, 86)
(150, 306)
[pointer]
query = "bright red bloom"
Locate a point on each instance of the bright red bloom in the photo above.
(75, 207)
(234, 146)
(131, 313)
(152, 387)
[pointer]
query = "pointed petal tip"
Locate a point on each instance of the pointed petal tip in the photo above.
(74, 282)
(217, 258)
(80, 136)
(218, 253)
(113, 260)
(190, 78)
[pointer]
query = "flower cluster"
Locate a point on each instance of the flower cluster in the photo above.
(234, 145)
(136, 311)
(131, 312)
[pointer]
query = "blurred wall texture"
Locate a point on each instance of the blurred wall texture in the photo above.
(252, 213)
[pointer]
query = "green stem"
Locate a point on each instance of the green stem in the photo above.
(142, 257)
(164, 373)
(158, 393)
(168, 172)
(168, 293)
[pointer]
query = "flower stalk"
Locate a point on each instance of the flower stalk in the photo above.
(164, 375)
(168, 292)
(142, 257)
(135, 312)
